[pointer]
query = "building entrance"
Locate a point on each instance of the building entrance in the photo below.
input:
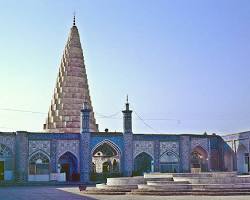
(65, 169)
(1, 170)
(68, 163)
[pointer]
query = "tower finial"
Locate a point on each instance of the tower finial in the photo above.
(74, 19)
(127, 99)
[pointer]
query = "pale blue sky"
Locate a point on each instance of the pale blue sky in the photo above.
(186, 60)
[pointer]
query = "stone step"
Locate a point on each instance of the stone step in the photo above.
(99, 190)
(220, 186)
(166, 186)
(122, 187)
(105, 192)
(199, 193)
(157, 175)
(166, 182)
(159, 179)
(205, 180)
(177, 187)
(193, 190)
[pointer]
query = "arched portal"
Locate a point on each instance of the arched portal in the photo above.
(199, 160)
(142, 163)
(242, 159)
(169, 162)
(106, 158)
(39, 164)
(6, 163)
(68, 163)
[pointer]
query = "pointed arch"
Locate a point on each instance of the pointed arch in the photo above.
(108, 142)
(67, 151)
(169, 161)
(142, 163)
(169, 156)
(69, 165)
(39, 151)
(39, 163)
(199, 159)
(199, 149)
(103, 156)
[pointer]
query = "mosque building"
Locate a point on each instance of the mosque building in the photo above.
(71, 148)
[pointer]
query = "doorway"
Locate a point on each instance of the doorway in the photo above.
(65, 169)
(68, 163)
(142, 164)
(1, 170)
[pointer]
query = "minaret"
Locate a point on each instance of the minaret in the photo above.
(85, 154)
(127, 118)
(128, 140)
(71, 90)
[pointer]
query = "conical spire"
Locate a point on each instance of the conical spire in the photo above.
(71, 90)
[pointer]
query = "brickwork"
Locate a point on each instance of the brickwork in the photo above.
(71, 90)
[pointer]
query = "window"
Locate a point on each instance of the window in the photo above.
(39, 164)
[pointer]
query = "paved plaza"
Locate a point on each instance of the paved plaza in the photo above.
(72, 193)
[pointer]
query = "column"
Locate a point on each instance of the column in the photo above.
(53, 156)
(22, 156)
(157, 156)
(185, 153)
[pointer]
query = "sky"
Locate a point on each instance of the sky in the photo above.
(185, 65)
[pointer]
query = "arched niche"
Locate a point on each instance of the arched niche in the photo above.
(199, 159)
(39, 164)
(106, 158)
(69, 165)
(142, 163)
(169, 162)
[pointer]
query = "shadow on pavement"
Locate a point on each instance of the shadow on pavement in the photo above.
(42, 193)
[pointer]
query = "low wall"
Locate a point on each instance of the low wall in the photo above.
(42, 177)
(60, 177)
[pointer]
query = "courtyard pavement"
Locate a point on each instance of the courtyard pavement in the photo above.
(72, 193)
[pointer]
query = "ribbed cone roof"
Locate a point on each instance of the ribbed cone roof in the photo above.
(71, 90)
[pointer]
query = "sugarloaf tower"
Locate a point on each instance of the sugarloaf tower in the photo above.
(71, 90)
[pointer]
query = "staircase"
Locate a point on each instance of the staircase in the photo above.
(163, 184)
